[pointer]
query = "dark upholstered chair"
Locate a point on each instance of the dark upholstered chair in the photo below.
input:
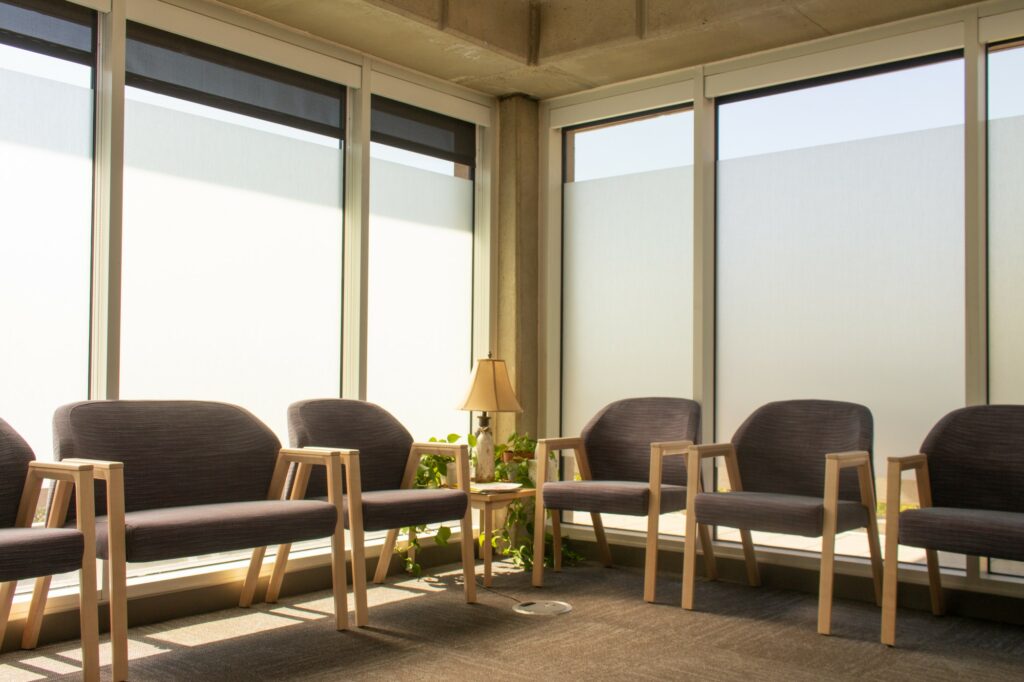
(970, 482)
(389, 459)
(788, 467)
(197, 477)
(27, 552)
(628, 459)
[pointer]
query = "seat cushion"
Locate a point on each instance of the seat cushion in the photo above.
(611, 497)
(387, 509)
(175, 532)
(976, 532)
(775, 512)
(33, 552)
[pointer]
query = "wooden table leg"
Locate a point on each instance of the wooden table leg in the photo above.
(487, 548)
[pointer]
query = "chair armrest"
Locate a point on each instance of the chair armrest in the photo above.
(849, 459)
(909, 462)
(568, 443)
(548, 446)
(670, 448)
(316, 455)
(459, 451)
(67, 474)
(894, 480)
(696, 453)
(101, 467)
(60, 471)
(712, 450)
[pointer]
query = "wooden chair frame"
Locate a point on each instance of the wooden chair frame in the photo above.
(835, 462)
(659, 451)
(897, 465)
(68, 476)
(117, 569)
(416, 452)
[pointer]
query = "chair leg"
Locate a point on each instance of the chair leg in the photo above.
(753, 575)
(689, 558)
(602, 542)
(87, 615)
(468, 558)
(710, 567)
(935, 582)
(117, 571)
(252, 577)
(828, 547)
(556, 541)
(876, 560)
(34, 619)
(891, 581)
(359, 575)
(651, 559)
(384, 562)
(538, 545)
(277, 574)
(6, 599)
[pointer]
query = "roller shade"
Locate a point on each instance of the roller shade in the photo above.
(172, 65)
(421, 131)
(58, 29)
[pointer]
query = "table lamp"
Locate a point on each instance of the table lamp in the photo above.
(489, 391)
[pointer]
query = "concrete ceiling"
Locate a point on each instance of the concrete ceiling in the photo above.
(545, 48)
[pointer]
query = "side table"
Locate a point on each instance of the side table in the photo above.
(490, 502)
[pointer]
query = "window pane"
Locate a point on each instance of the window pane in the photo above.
(840, 271)
(1006, 225)
(1005, 237)
(420, 291)
(232, 258)
(46, 129)
(627, 271)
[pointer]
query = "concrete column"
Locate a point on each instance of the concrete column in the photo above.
(517, 259)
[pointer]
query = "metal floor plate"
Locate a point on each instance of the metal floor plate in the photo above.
(542, 608)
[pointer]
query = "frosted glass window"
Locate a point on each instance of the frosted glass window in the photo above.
(840, 271)
(232, 258)
(46, 130)
(1006, 224)
(627, 272)
(627, 245)
(420, 290)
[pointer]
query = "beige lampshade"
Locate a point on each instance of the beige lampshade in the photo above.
(491, 390)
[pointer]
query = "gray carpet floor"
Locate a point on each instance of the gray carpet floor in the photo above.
(423, 630)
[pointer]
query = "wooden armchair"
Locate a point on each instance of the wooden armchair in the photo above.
(197, 478)
(970, 480)
(776, 463)
(28, 552)
(383, 497)
(630, 461)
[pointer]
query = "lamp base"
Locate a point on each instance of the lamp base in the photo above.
(484, 454)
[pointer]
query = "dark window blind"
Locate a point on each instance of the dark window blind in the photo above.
(421, 131)
(51, 27)
(179, 67)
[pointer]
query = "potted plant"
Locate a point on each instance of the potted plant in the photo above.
(517, 447)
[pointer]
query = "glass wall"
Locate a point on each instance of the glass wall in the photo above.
(46, 139)
(420, 280)
(627, 268)
(1006, 235)
(840, 271)
(232, 229)
(1006, 223)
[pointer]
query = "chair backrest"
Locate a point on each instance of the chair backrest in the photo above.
(976, 458)
(382, 441)
(15, 454)
(618, 438)
(175, 452)
(781, 446)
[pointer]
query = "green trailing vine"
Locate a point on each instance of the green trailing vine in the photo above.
(515, 539)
